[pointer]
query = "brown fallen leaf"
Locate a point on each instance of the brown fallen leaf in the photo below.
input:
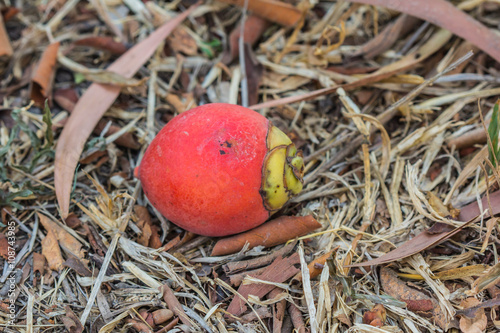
(78, 266)
(254, 72)
(5, 46)
(478, 322)
(252, 31)
(315, 267)
(105, 43)
(43, 76)
(150, 232)
(470, 312)
(174, 305)
(404, 64)
(157, 317)
(438, 233)
(181, 41)
(92, 105)
(271, 10)
(4, 247)
(376, 316)
(179, 240)
(139, 326)
(384, 40)
(455, 20)
(67, 99)
(66, 240)
(488, 279)
(279, 271)
(51, 251)
(71, 321)
(73, 221)
(271, 233)
(38, 263)
(472, 210)
(9, 12)
(468, 139)
(416, 301)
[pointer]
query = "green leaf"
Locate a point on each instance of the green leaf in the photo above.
(79, 78)
(210, 48)
(8, 200)
(47, 119)
(493, 129)
(16, 115)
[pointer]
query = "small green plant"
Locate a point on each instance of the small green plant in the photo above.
(493, 131)
(210, 48)
(40, 151)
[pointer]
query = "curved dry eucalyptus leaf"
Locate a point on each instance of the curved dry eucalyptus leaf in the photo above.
(455, 20)
(92, 105)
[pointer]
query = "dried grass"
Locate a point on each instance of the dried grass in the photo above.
(385, 133)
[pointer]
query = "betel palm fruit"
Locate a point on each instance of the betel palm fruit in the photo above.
(220, 169)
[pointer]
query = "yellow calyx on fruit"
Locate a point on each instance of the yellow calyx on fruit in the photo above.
(282, 171)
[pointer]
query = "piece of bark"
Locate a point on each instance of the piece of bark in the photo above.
(244, 265)
(297, 319)
(236, 279)
(278, 310)
(261, 312)
(271, 233)
(95, 240)
(416, 301)
(105, 43)
(279, 271)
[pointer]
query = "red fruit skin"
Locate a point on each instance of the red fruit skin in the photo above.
(203, 171)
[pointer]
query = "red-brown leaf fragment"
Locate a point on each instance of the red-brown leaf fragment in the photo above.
(43, 77)
(274, 232)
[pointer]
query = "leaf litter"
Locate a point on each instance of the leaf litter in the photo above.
(395, 230)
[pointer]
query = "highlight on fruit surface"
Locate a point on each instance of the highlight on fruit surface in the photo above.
(220, 169)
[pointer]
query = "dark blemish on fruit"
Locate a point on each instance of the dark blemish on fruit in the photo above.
(222, 152)
(226, 144)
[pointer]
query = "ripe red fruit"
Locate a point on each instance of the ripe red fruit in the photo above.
(220, 169)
